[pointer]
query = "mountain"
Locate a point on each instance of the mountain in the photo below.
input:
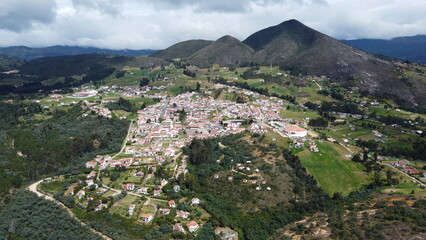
(182, 50)
(225, 51)
(76, 70)
(300, 49)
(26, 53)
(406, 48)
(297, 47)
(7, 63)
(81, 64)
(281, 41)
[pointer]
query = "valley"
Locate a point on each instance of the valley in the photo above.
(201, 140)
(288, 134)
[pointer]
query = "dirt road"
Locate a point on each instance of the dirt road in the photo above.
(33, 188)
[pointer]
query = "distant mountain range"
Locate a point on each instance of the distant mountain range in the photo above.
(406, 48)
(26, 53)
(290, 45)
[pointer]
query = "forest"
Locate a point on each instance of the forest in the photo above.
(31, 147)
(30, 217)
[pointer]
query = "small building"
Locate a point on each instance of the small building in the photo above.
(176, 188)
(131, 209)
(182, 214)
(172, 203)
(91, 164)
(195, 201)
(101, 206)
(128, 186)
(226, 234)
(178, 227)
(142, 190)
(192, 226)
(81, 194)
(165, 211)
(146, 218)
(91, 175)
(157, 192)
(294, 131)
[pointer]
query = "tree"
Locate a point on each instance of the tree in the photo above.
(390, 180)
(144, 82)
(356, 158)
(318, 122)
(198, 87)
(182, 115)
(206, 233)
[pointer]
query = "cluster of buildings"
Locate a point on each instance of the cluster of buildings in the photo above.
(162, 129)
(85, 93)
(102, 111)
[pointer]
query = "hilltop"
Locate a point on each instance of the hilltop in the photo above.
(225, 51)
(182, 50)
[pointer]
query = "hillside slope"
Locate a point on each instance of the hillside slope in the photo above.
(81, 64)
(182, 50)
(226, 51)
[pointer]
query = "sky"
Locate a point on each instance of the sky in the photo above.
(157, 24)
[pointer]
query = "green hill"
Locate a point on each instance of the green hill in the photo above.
(182, 50)
(226, 51)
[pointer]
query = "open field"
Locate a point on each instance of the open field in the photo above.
(332, 172)
(273, 137)
(122, 206)
(298, 115)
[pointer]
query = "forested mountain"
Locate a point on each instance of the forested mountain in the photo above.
(302, 50)
(27, 53)
(406, 48)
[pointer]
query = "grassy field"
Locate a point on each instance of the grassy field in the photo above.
(279, 140)
(109, 193)
(298, 115)
(332, 172)
(122, 207)
(52, 187)
(148, 209)
(407, 188)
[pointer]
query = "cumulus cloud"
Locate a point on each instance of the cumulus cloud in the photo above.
(138, 24)
(18, 15)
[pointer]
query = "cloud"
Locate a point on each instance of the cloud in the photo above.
(138, 24)
(103, 6)
(19, 15)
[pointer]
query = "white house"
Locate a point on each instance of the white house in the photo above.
(192, 226)
(294, 131)
(146, 218)
(195, 201)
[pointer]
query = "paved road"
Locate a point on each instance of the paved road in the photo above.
(125, 140)
(163, 111)
(33, 188)
(122, 148)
